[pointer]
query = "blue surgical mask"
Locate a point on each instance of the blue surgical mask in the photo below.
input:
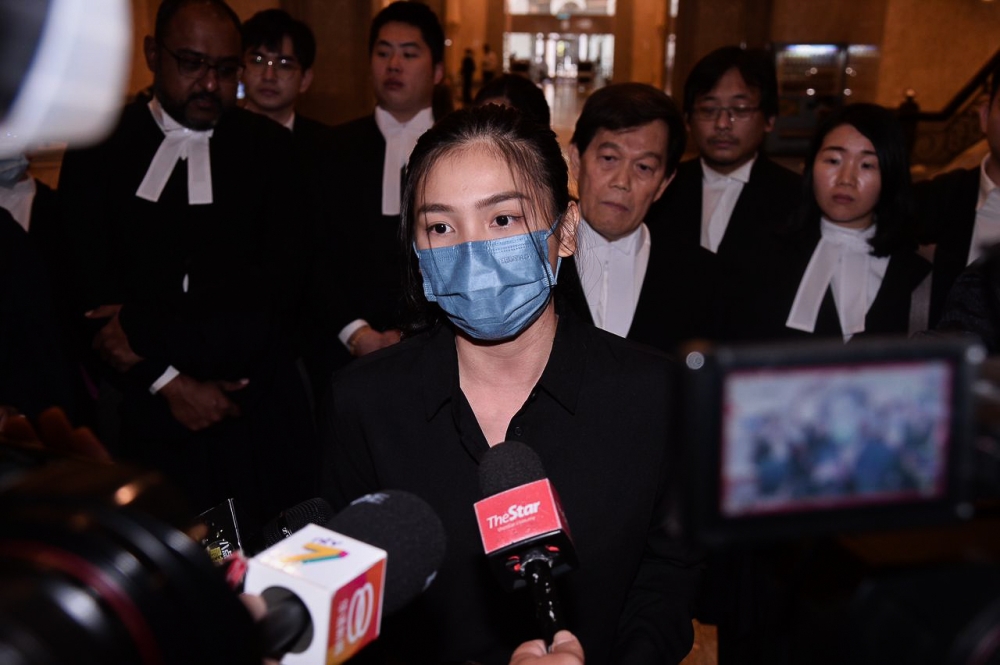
(491, 289)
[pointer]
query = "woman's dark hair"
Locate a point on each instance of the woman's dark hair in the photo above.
(522, 94)
(895, 210)
(530, 150)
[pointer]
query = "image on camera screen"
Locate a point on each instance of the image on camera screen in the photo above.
(798, 439)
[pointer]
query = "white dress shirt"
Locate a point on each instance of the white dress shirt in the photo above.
(400, 139)
(611, 274)
(719, 193)
(986, 231)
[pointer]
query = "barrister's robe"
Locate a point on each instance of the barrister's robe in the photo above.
(763, 207)
(211, 290)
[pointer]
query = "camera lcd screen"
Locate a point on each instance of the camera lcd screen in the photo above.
(808, 438)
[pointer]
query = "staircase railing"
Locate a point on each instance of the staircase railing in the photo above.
(943, 135)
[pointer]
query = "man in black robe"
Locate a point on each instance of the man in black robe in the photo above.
(188, 230)
(406, 48)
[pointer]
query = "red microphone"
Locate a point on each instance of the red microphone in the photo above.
(524, 530)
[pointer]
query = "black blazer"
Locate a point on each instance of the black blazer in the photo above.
(767, 199)
(242, 255)
(367, 243)
(691, 272)
(33, 371)
(947, 209)
(325, 310)
(667, 312)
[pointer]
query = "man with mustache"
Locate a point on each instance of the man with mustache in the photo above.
(726, 199)
(187, 225)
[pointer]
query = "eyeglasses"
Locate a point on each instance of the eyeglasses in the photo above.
(711, 113)
(283, 67)
(194, 67)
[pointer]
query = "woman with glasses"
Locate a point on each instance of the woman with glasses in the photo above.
(846, 265)
(487, 219)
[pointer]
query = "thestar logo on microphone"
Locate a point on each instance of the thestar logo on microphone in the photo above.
(339, 579)
(518, 514)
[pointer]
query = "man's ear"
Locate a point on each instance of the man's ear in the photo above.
(151, 53)
(769, 125)
(307, 79)
(567, 230)
(438, 73)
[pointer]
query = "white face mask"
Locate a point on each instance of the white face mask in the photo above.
(12, 169)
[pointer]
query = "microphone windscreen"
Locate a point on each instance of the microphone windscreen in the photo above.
(313, 511)
(410, 532)
(508, 465)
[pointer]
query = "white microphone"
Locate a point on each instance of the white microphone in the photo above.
(328, 588)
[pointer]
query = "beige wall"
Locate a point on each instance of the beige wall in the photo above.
(830, 21)
(649, 34)
(341, 88)
(935, 47)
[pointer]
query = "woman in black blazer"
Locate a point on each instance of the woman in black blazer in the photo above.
(845, 265)
(486, 217)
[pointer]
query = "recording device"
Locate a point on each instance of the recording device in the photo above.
(327, 588)
(844, 478)
(313, 511)
(820, 438)
(94, 569)
(524, 530)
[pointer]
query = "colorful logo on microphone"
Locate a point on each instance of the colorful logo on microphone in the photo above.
(317, 552)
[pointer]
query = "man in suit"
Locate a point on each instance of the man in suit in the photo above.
(279, 52)
(960, 210)
(191, 276)
(623, 154)
(731, 193)
(406, 46)
(731, 196)
(279, 55)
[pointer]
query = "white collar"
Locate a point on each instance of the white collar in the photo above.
(420, 123)
(179, 142)
(986, 185)
(842, 258)
(853, 239)
(742, 174)
(400, 139)
(628, 245)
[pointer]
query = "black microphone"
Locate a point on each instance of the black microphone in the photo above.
(313, 511)
(328, 588)
(524, 530)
